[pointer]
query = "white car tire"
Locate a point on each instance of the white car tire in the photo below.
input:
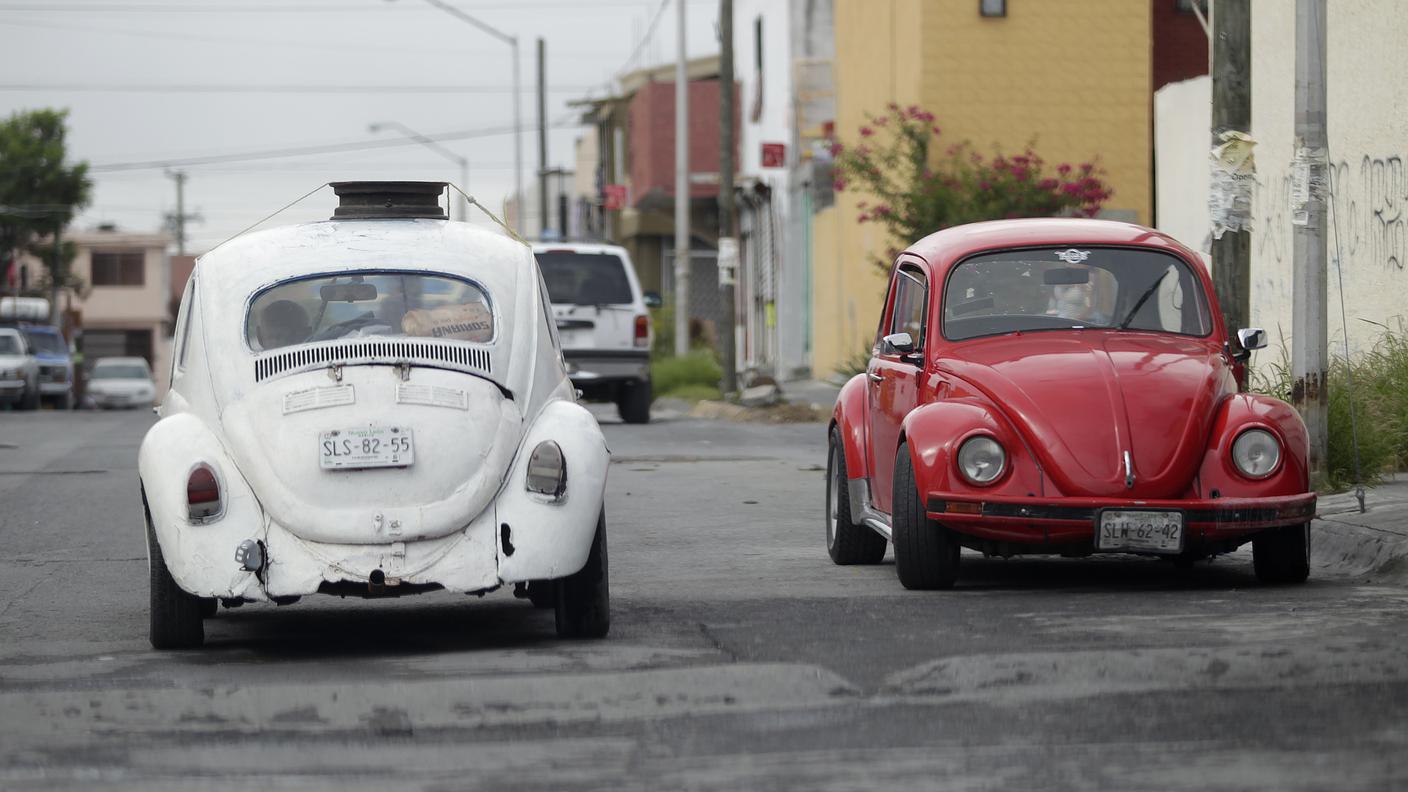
(634, 401)
(176, 615)
(584, 598)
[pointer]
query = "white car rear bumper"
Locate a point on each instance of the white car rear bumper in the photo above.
(521, 536)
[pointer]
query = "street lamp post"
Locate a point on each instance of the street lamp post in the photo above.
(512, 41)
(460, 206)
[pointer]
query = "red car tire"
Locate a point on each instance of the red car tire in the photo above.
(847, 542)
(1282, 555)
(926, 553)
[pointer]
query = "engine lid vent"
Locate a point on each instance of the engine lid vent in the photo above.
(399, 200)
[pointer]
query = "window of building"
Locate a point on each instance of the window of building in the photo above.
(992, 8)
(126, 268)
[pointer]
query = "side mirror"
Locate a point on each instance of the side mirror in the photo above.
(652, 299)
(897, 344)
(1251, 338)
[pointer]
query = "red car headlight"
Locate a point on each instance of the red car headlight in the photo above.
(1256, 453)
(981, 460)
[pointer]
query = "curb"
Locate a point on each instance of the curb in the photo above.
(1372, 543)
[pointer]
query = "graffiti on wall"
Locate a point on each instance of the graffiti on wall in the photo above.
(1368, 201)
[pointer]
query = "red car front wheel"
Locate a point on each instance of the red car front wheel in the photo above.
(926, 553)
(1282, 555)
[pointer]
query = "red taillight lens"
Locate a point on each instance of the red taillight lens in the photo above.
(642, 330)
(202, 493)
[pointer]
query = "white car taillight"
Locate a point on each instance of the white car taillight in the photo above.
(203, 501)
(642, 336)
(547, 470)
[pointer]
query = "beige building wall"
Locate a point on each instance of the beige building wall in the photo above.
(1072, 76)
(878, 53)
(1033, 76)
(1367, 94)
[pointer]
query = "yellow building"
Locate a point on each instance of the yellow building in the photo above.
(1074, 76)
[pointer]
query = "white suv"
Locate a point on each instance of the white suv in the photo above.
(603, 323)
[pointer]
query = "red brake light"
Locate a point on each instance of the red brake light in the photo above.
(202, 493)
(642, 330)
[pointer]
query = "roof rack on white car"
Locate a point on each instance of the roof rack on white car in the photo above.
(390, 200)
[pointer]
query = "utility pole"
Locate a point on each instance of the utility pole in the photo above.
(177, 221)
(728, 243)
(682, 257)
(1232, 112)
(512, 42)
(1309, 336)
(58, 271)
(542, 138)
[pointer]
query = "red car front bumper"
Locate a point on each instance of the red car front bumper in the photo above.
(1071, 521)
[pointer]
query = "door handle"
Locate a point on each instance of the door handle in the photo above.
(874, 377)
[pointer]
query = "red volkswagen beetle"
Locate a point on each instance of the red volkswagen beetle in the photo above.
(1060, 386)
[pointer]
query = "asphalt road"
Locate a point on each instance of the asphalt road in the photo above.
(740, 658)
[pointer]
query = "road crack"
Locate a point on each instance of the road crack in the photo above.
(717, 643)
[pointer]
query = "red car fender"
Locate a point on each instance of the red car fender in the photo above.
(1243, 411)
(934, 433)
(849, 418)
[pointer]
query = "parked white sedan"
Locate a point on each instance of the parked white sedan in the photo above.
(120, 382)
(373, 406)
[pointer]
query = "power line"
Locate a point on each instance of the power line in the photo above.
(261, 42)
(285, 8)
(273, 89)
(649, 34)
(299, 151)
(342, 164)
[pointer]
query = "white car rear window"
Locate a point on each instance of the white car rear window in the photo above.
(585, 278)
(362, 304)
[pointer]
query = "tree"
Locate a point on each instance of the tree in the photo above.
(917, 193)
(39, 191)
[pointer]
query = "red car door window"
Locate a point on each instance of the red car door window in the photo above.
(893, 381)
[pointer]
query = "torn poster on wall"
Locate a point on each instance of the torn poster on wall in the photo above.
(1233, 177)
(1307, 182)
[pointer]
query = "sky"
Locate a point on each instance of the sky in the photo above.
(152, 81)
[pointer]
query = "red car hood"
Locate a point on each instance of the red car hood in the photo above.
(1082, 401)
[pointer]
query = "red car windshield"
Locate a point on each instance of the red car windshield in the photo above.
(1065, 288)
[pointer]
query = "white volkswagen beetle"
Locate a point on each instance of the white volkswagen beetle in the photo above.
(373, 405)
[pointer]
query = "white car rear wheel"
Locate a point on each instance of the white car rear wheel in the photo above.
(175, 614)
(584, 598)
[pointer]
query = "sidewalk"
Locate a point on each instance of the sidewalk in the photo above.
(1373, 543)
(815, 392)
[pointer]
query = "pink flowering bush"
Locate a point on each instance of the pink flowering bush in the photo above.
(914, 195)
